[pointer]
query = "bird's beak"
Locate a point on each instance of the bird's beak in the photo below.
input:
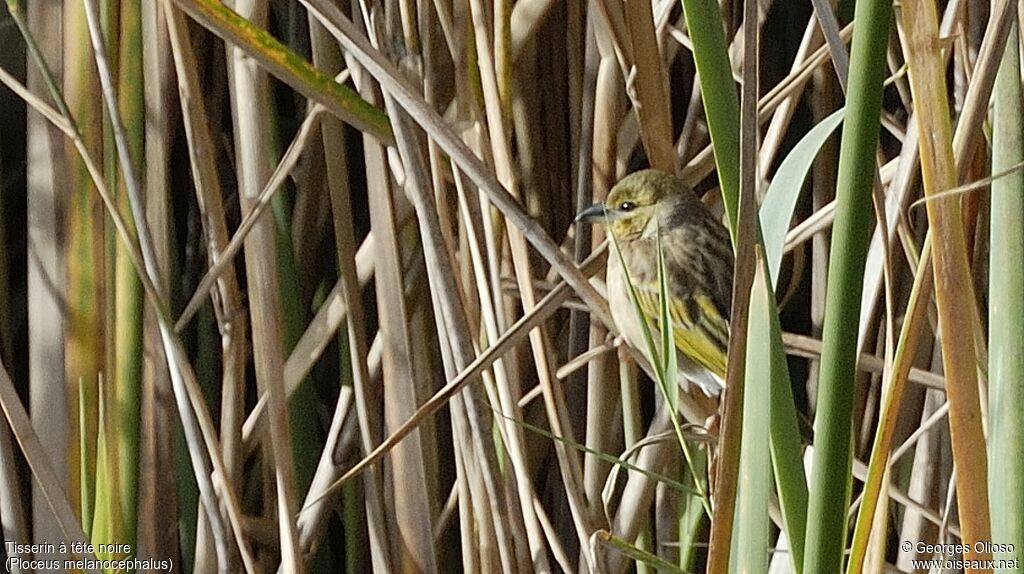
(594, 212)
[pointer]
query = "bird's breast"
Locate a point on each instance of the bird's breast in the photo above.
(623, 313)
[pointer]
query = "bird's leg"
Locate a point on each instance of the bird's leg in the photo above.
(710, 407)
(712, 424)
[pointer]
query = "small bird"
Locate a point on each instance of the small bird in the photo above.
(698, 270)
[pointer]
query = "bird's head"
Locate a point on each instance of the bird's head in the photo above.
(636, 201)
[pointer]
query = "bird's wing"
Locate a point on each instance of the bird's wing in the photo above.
(699, 330)
(698, 265)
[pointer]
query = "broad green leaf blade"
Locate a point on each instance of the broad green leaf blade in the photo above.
(752, 524)
(1006, 311)
(721, 100)
(828, 504)
(108, 500)
(787, 448)
(780, 199)
(721, 105)
(126, 369)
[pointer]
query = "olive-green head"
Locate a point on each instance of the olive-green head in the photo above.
(636, 201)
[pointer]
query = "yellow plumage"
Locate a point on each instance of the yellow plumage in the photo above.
(641, 210)
(694, 336)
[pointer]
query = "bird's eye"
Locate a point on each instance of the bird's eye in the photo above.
(627, 206)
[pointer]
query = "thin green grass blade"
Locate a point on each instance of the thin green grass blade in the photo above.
(86, 477)
(668, 348)
(609, 540)
(665, 379)
(625, 464)
(906, 349)
(693, 522)
(645, 328)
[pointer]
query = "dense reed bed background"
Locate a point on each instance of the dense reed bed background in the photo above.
(294, 285)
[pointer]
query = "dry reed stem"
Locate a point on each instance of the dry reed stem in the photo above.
(156, 418)
(954, 293)
(486, 272)
(248, 88)
(227, 301)
(185, 386)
